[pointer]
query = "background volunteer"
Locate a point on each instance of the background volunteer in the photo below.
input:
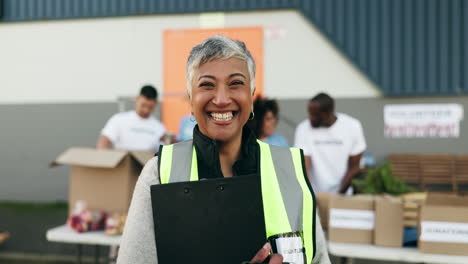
(136, 129)
(265, 121)
(333, 145)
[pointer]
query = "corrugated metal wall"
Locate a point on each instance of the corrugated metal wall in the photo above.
(407, 47)
(25, 10)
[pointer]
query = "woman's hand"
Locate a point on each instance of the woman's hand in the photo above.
(263, 254)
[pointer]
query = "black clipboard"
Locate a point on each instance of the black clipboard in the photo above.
(208, 221)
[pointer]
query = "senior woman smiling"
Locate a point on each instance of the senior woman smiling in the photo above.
(220, 83)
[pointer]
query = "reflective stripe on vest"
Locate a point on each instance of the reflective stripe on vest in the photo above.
(186, 159)
(288, 204)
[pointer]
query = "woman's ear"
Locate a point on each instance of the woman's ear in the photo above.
(188, 97)
(253, 98)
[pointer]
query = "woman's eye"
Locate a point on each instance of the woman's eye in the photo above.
(206, 84)
(237, 83)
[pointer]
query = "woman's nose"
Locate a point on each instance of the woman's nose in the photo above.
(221, 97)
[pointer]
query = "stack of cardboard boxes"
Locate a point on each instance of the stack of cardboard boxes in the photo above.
(379, 220)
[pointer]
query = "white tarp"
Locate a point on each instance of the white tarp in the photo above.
(422, 120)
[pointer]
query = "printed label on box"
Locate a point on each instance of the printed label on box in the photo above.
(450, 232)
(352, 219)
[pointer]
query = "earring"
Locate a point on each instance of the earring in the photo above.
(192, 118)
(252, 116)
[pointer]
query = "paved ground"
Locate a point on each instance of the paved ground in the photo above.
(28, 225)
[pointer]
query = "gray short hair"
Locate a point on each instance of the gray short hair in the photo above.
(218, 47)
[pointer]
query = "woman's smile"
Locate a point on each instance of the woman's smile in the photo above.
(222, 116)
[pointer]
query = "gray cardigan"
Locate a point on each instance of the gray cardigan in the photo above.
(138, 243)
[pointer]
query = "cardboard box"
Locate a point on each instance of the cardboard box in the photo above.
(444, 225)
(104, 179)
(388, 221)
(352, 219)
(323, 205)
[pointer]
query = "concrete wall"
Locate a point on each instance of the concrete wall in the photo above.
(34, 135)
(97, 60)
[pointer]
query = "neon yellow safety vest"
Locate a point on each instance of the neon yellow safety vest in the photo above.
(288, 203)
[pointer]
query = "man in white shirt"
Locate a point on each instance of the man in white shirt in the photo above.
(333, 145)
(136, 129)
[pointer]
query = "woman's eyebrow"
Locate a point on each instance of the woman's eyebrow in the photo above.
(207, 76)
(237, 74)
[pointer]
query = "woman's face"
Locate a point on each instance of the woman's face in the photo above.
(269, 124)
(221, 99)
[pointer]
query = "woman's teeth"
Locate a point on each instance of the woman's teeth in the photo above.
(222, 116)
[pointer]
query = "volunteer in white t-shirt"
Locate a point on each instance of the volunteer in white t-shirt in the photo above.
(136, 129)
(333, 145)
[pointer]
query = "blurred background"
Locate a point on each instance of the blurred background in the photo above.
(67, 66)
